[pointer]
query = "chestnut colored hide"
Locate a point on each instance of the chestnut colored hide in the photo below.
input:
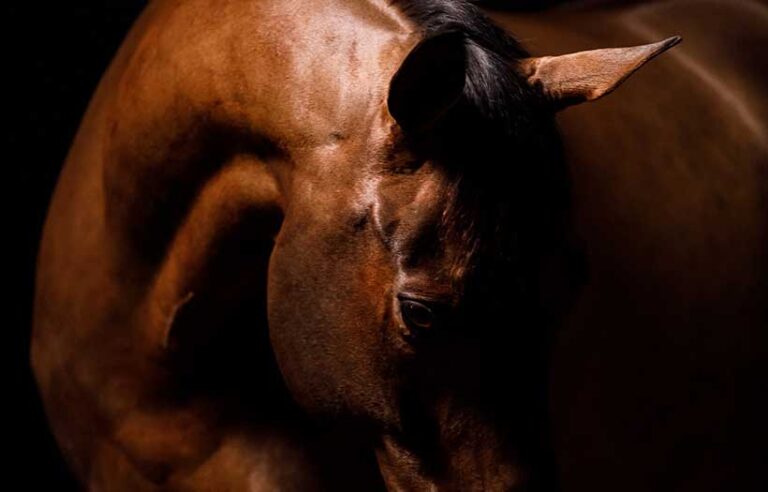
(347, 245)
(657, 376)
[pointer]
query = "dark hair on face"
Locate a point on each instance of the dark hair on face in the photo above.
(500, 145)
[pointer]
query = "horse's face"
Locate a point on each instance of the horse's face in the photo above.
(366, 282)
(397, 297)
(372, 315)
(360, 281)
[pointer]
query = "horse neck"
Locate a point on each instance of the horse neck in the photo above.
(194, 92)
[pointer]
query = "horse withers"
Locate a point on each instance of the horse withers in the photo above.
(327, 244)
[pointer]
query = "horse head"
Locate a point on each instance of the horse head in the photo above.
(414, 284)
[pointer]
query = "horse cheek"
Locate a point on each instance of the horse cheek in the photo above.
(328, 315)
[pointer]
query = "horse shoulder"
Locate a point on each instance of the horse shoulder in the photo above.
(164, 168)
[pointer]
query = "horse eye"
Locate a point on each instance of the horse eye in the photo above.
(416, 314)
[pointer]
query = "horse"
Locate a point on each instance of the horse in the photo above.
(377, 245)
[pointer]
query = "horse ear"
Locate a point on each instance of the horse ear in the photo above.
(429, 81)
(588, 75)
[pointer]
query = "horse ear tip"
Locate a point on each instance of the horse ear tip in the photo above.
(672, 41)
(655, 49)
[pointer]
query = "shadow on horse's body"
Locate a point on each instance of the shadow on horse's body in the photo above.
(670, 180)
(244, 164)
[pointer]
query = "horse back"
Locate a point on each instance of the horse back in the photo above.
(670, 197)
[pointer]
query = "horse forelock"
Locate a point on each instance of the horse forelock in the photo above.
(500, 149)
(491, 84)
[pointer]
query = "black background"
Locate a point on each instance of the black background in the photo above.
(55, 55)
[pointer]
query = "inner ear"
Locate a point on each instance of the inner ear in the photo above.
(429, 81)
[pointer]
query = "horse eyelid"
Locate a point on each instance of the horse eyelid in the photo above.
(410, 167)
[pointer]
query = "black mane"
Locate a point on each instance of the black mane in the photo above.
(492, 88)
(510, 198)
(437, 15)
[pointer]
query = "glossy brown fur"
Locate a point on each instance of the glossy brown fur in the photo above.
(242, 165)
(670, 180)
